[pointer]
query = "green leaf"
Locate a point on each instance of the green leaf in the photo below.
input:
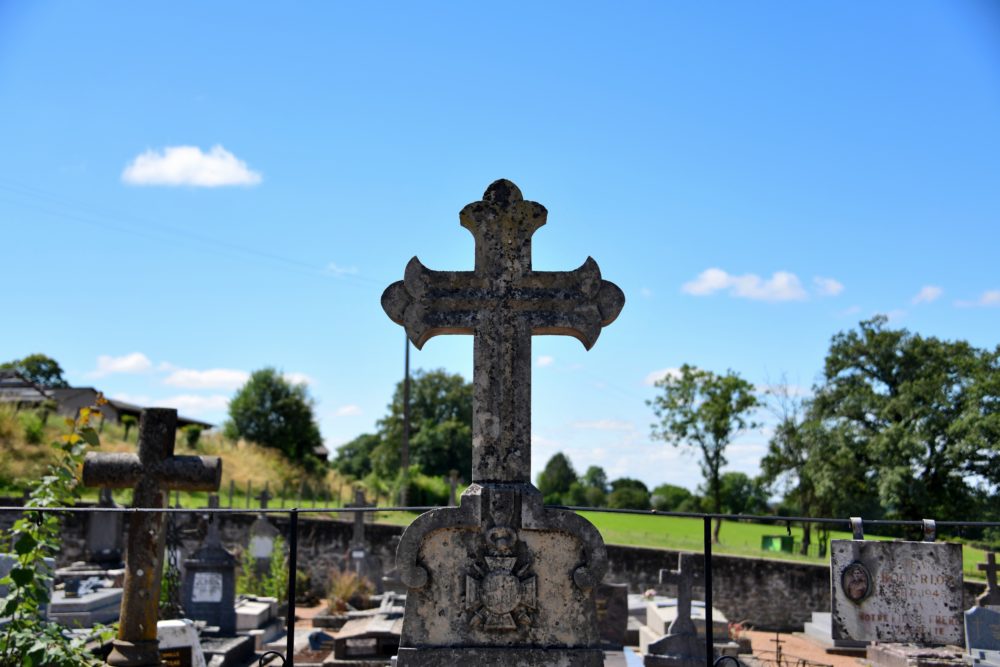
(25, 544)
(21, 576)
(90, 435)
(9, 607)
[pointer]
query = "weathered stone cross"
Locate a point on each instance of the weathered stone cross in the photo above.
(153, 473)
(991, 596)
(682, 577)
(502, 302)
(358, 539)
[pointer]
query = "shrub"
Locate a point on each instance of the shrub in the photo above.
(34, 428)
(192, 433)
(347, 588)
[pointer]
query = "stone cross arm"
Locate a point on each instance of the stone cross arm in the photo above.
(176, 473)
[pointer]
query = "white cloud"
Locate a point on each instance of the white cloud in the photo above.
(986, 299)
(646, 293)
(191, 404)
(852, 310)
(656, 376)
(605, 425)
(137, 362)
(299, 378)
(188, 165)
(927, 294)
(336, 270)
(347, 411)
(781, 286)
(895, 315)
(827, 286)
(546, 360)
(212, 378)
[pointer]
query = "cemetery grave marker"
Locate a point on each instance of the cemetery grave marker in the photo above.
(501, 579)
(896, 591)
(991, 596)
(151, 473)
(209, 587)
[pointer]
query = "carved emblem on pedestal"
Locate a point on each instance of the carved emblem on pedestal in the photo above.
(500, 598)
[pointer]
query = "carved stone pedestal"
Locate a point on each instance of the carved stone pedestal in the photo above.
(500, 580)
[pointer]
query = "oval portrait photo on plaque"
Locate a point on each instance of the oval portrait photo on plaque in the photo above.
(856, 582)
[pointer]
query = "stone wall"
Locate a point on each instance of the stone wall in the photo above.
(769, 594)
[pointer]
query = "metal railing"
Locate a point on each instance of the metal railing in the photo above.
(288, 660)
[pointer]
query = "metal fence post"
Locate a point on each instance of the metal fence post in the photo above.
(709, 639)
(293, 557)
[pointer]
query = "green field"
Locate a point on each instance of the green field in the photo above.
(736, 538)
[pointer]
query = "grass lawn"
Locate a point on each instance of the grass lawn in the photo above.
(736, 538)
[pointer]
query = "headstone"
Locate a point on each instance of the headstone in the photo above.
(179, 644)
(262, 536)
(105, 533)
(991, 596)
(681, 646)
(982, 629)
(896, 591)
(453, 489)
(501, 579)
(152, 473)
(359, 556)
(612, 613)
(209, 586)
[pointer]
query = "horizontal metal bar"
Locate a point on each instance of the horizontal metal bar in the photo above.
(760, 518)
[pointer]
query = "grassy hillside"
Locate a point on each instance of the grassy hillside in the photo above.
(26, 452)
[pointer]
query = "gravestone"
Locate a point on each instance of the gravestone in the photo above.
(991, 596)
(105, 533)
(359, 556)
(612, 613)
(209, 586)
(180, 645)
(501, 580)
(262, 536)
(896, 591)
(681, 646)
(982, 629)
(453, 489)
(151, 473)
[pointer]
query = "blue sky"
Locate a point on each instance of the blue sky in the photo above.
(190, 191)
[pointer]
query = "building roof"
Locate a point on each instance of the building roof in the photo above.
(15, 388)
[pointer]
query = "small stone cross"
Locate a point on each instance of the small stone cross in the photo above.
(503, 302)
(212, 536)
(682, 577)
(265, 496)
(358, 539)
(991, 597)
(152, 473)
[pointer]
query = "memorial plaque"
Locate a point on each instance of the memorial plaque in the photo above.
(177, 657)
(896, 591)
(207, 587)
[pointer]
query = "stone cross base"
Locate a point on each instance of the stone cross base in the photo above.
(500, 657)
(134, 654)
(500, 580)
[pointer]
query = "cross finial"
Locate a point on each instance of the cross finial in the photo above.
(682, 577)
(503, 302)
(991, 596)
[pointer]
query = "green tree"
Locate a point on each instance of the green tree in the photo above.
(921, 413)
(595, 477)
(440, 431)
(627, 493)
(128, 422)
(743, 495)
(703, 410)
(40, 369)
(274, 412)
(556, 479)
(668, 497)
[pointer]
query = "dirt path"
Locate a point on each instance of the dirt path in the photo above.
(794, 647)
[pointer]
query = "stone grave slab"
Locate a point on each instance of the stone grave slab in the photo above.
(909, 655)
(99, 606)
(896, 591)
(179, 644)
(980, 658)
(660, 615)
(228, 651)
(982, 629)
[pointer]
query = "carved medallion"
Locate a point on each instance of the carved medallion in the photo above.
(500, 598)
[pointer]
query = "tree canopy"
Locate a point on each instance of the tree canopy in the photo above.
(440, 430)
(700, 409)
(40, 369)
(274, 412)
(556, 479)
